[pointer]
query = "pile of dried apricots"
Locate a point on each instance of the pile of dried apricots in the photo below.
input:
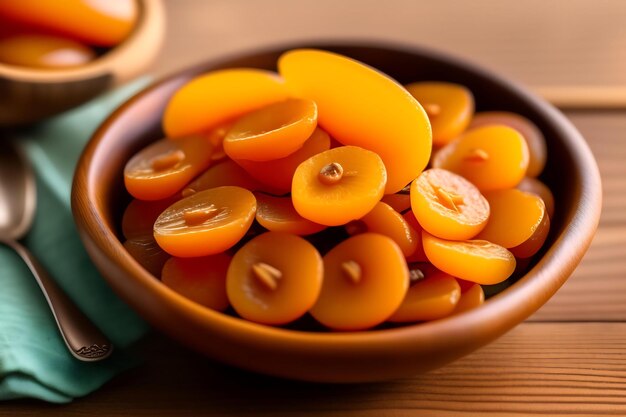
(53, 34)
(313, 191)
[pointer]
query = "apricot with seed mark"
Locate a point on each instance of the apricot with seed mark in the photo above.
(365, 280)
(447, 205)
(221, 217)
(275, 278)
(343, 198)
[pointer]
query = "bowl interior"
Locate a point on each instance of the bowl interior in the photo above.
(99, 199)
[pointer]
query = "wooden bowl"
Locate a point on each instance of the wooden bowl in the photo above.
(99, 198)
(28, 95)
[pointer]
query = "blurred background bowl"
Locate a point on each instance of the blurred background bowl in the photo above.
(28, 95)
(99, 198)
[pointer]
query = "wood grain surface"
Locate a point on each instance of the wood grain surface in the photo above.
(568, 359)
(538, 369)
(571, 51)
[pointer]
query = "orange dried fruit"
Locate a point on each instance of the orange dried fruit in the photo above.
(202, 279)
(537, 149)
(212, 99)
(383, 219)
(206, 222)
(277, 214)
(449, 107)
(491, 157)
(431, 298)
(272, 132)
(338, 185)
(359, 290)
(517, 218)
(447, 205)
(478, 261)
(163, 168)
(275, 278)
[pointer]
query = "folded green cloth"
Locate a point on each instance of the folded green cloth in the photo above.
(34, 361)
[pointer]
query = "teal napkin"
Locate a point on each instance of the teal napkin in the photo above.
(34, 361)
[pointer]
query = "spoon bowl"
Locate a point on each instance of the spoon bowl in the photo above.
(17, 193)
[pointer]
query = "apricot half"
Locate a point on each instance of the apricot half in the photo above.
(338, 185)
(272, 132)
(492, 157)
(277, 214)
(274, 278)
(205, 223)
(537, 149)
(219, 96)
(202, 279)
(478, 261)
(449, 107)
(365, 280)
(165, 167)
(447, 205)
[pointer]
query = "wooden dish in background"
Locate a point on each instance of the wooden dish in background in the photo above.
(99, 198)
(28, 95)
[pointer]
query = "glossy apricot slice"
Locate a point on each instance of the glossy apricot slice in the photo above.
(515, 217)
(277, 174)
(383, 219)
(432, 298)
(275, 278)
(205, 223)
(273, 131)
(360, 106)
(471, 298)
(365, 280)
(147, 253)
(491, 157)
(537, 150)
(447, 205)
(165, 167)
(139, 216)
(478, 261)
(221, 174)
(534, 186)
(338, 185)
(418, 255)
(449, 107)
(212, 99)
(46, 52)
(202, 280)
(400, 202)
(96, 22)
(277, 214)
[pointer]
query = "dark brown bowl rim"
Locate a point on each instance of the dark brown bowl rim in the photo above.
(501, 312)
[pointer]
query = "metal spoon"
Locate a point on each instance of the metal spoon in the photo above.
(17, 208)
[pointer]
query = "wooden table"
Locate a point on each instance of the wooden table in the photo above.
(567, 359)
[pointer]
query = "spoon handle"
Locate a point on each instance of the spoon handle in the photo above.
(84, 340)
